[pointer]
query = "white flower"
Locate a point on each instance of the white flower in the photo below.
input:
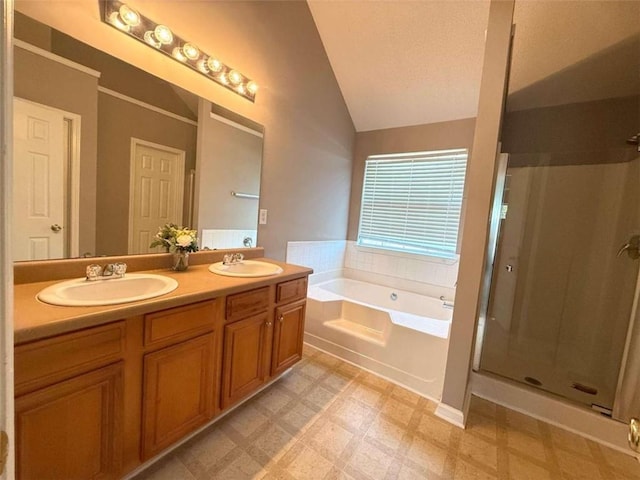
(184, 241)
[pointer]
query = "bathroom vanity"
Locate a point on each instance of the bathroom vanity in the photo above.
(101, 390)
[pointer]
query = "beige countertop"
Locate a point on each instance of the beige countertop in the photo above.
(34, 319)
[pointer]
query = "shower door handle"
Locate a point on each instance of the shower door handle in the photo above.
(632, 247)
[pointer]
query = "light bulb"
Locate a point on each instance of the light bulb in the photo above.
(223, 78)
(252, 87)
(240, 89)
(214, 64)
(178, 55)
(129, 16)
(163, 34)
(202, 65)
(190, 51)
(117, 22)
(235, 77)
(151, 39)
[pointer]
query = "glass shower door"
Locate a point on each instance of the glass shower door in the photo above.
(561, 297)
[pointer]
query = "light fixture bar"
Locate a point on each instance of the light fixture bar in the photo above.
(161, 38)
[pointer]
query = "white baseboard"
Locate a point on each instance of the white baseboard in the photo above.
(562, 414)
(451, 415)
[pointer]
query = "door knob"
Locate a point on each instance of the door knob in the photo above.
(56, 228)
(632, 247)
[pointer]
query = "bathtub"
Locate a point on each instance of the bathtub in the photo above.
(399, 335)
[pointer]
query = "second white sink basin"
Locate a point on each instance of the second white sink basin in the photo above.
(130, 288)
(246, 268)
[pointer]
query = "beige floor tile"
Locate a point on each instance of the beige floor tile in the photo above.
(337, 381)
(354, 413)
(480, 425)
(568, 441)
(370, 461)
(320, 396)
(479, 450)
(295, 382)
(206, 449)
(427, 455)
(330, 420)
(619, 461)
(242, 468)
(405, 395)
(483, 407)
(331, 439)
(274, 442)
(274, 398)
(398, 411)
(299, 417)
(435, 429)
(522, 469)
(374, 381)
(366, 395)
(313, 370)
(526, 444)
(309, 465)
(246, 420)
(387, 433)
(524, 423)
(169, 468)
(466, 471)
(408, 473)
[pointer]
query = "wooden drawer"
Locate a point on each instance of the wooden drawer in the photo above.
(177, 324)
(51, 360)
(291, 290)
(242, 305)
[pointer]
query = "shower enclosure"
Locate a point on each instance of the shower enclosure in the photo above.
(564, 288)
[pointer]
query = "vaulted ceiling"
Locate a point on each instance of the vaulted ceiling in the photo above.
(402, 63)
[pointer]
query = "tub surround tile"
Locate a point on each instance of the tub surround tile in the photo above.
(330, 420)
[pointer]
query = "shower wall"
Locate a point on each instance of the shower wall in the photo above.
(560, 298)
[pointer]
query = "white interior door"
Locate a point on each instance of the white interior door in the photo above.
(156, 193)
(38, 182)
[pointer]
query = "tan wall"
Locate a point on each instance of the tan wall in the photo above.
(120, 120)
(434, 136)
(73, 91)
(479, 189)
(309, 135)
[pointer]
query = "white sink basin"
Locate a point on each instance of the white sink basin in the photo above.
(130, 288)
(246, 268)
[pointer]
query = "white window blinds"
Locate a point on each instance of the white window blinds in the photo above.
(412, 202)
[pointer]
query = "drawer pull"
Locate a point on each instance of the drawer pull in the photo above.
(281, 318)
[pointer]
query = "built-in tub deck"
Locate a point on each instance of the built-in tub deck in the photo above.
(400, 335)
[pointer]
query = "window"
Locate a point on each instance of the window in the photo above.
(411, 202)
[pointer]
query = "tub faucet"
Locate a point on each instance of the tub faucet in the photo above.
(110, 270)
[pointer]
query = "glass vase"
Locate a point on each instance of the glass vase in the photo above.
(180, 261)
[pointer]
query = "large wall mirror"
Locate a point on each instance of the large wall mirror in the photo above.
(105, 153)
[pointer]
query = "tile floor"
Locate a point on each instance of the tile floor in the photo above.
(330, 420)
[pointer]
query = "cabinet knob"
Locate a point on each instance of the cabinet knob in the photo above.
(268, 324)
(281, 318)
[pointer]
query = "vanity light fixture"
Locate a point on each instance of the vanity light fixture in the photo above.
(161, 38)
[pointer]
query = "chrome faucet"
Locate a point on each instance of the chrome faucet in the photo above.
(110, 270)
(247, 242)
(232, 258)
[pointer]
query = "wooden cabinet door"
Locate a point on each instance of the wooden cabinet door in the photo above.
(245, 351)
(178, 392)
(72, 429)
(287, 336)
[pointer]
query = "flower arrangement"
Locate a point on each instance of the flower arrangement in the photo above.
(176, 239)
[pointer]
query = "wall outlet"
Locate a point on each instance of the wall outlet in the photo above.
(263, 216)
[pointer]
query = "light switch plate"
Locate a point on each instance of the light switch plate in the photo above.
(263, 216)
